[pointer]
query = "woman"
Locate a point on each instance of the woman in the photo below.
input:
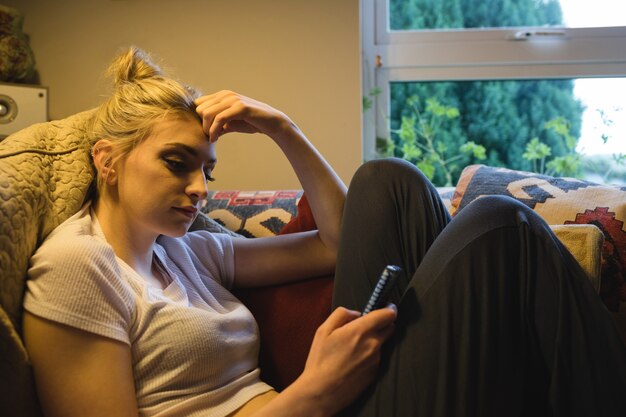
(127, 314)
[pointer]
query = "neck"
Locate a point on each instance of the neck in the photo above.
(130, 243)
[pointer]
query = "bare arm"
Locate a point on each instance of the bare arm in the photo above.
(268, 261)
(345, 352)
(78, 373)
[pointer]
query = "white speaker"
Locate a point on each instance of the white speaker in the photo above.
(21, 105)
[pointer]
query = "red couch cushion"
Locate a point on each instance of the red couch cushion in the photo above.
(288, 315)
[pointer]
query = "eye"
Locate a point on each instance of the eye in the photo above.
(175, 165)
(207, 175)
(181, 167)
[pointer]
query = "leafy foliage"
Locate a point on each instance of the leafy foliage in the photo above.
(420, 141)
(567, 164)
(498, 116)
(368, 100)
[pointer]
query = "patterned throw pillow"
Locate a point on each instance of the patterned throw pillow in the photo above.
(561, 201)
(252, 213)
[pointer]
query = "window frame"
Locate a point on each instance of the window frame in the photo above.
(523, 53)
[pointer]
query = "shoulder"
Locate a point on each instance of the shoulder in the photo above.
(75, 279)
(76, 254)
(74, 242)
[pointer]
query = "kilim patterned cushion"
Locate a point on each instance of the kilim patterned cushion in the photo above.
(253, 213)
(561, 201)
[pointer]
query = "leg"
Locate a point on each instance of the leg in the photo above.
(499, 319)
(392, 215)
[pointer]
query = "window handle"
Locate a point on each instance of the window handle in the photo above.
(525, 35)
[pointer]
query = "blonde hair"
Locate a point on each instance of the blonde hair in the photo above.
(142, 95)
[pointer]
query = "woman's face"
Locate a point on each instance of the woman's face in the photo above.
(163, 181)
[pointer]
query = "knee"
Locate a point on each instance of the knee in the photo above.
(388, 172)
(497, 204)
(504, 209)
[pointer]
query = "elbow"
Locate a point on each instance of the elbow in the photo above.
(327, 256)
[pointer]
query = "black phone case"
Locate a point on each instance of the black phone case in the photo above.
(383, 287)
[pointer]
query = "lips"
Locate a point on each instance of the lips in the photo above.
(188, 211)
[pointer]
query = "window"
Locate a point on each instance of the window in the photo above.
(436, 65)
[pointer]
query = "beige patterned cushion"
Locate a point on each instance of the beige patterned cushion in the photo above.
(564, 201)
(45, 173)
(561, 201)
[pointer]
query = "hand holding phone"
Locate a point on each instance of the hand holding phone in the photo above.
(382, 290)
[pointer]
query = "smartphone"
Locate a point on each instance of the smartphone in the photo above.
(382, 290)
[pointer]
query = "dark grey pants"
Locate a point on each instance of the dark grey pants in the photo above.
(496, 318)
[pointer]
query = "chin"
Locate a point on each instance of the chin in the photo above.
(178, 230)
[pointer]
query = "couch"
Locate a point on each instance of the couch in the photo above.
(289, 314)
(45, 176)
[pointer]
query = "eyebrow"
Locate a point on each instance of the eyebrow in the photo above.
(190, 150)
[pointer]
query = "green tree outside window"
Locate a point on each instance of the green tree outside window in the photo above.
(506, 122)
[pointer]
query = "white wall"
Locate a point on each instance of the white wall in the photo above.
(301, 56)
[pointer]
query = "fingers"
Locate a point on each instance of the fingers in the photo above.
(381, 318)
(209, 99)
(203, 99)
(216, 110)
(377, 324)
(345, 352)
(227, 111)
(223, 115)
(338, 318)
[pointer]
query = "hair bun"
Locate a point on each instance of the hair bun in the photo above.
(133, 65)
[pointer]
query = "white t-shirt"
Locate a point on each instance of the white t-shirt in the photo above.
(194, 345)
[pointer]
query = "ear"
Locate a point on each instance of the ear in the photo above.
(102, 153)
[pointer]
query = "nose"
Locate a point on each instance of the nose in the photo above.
(197, 187)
